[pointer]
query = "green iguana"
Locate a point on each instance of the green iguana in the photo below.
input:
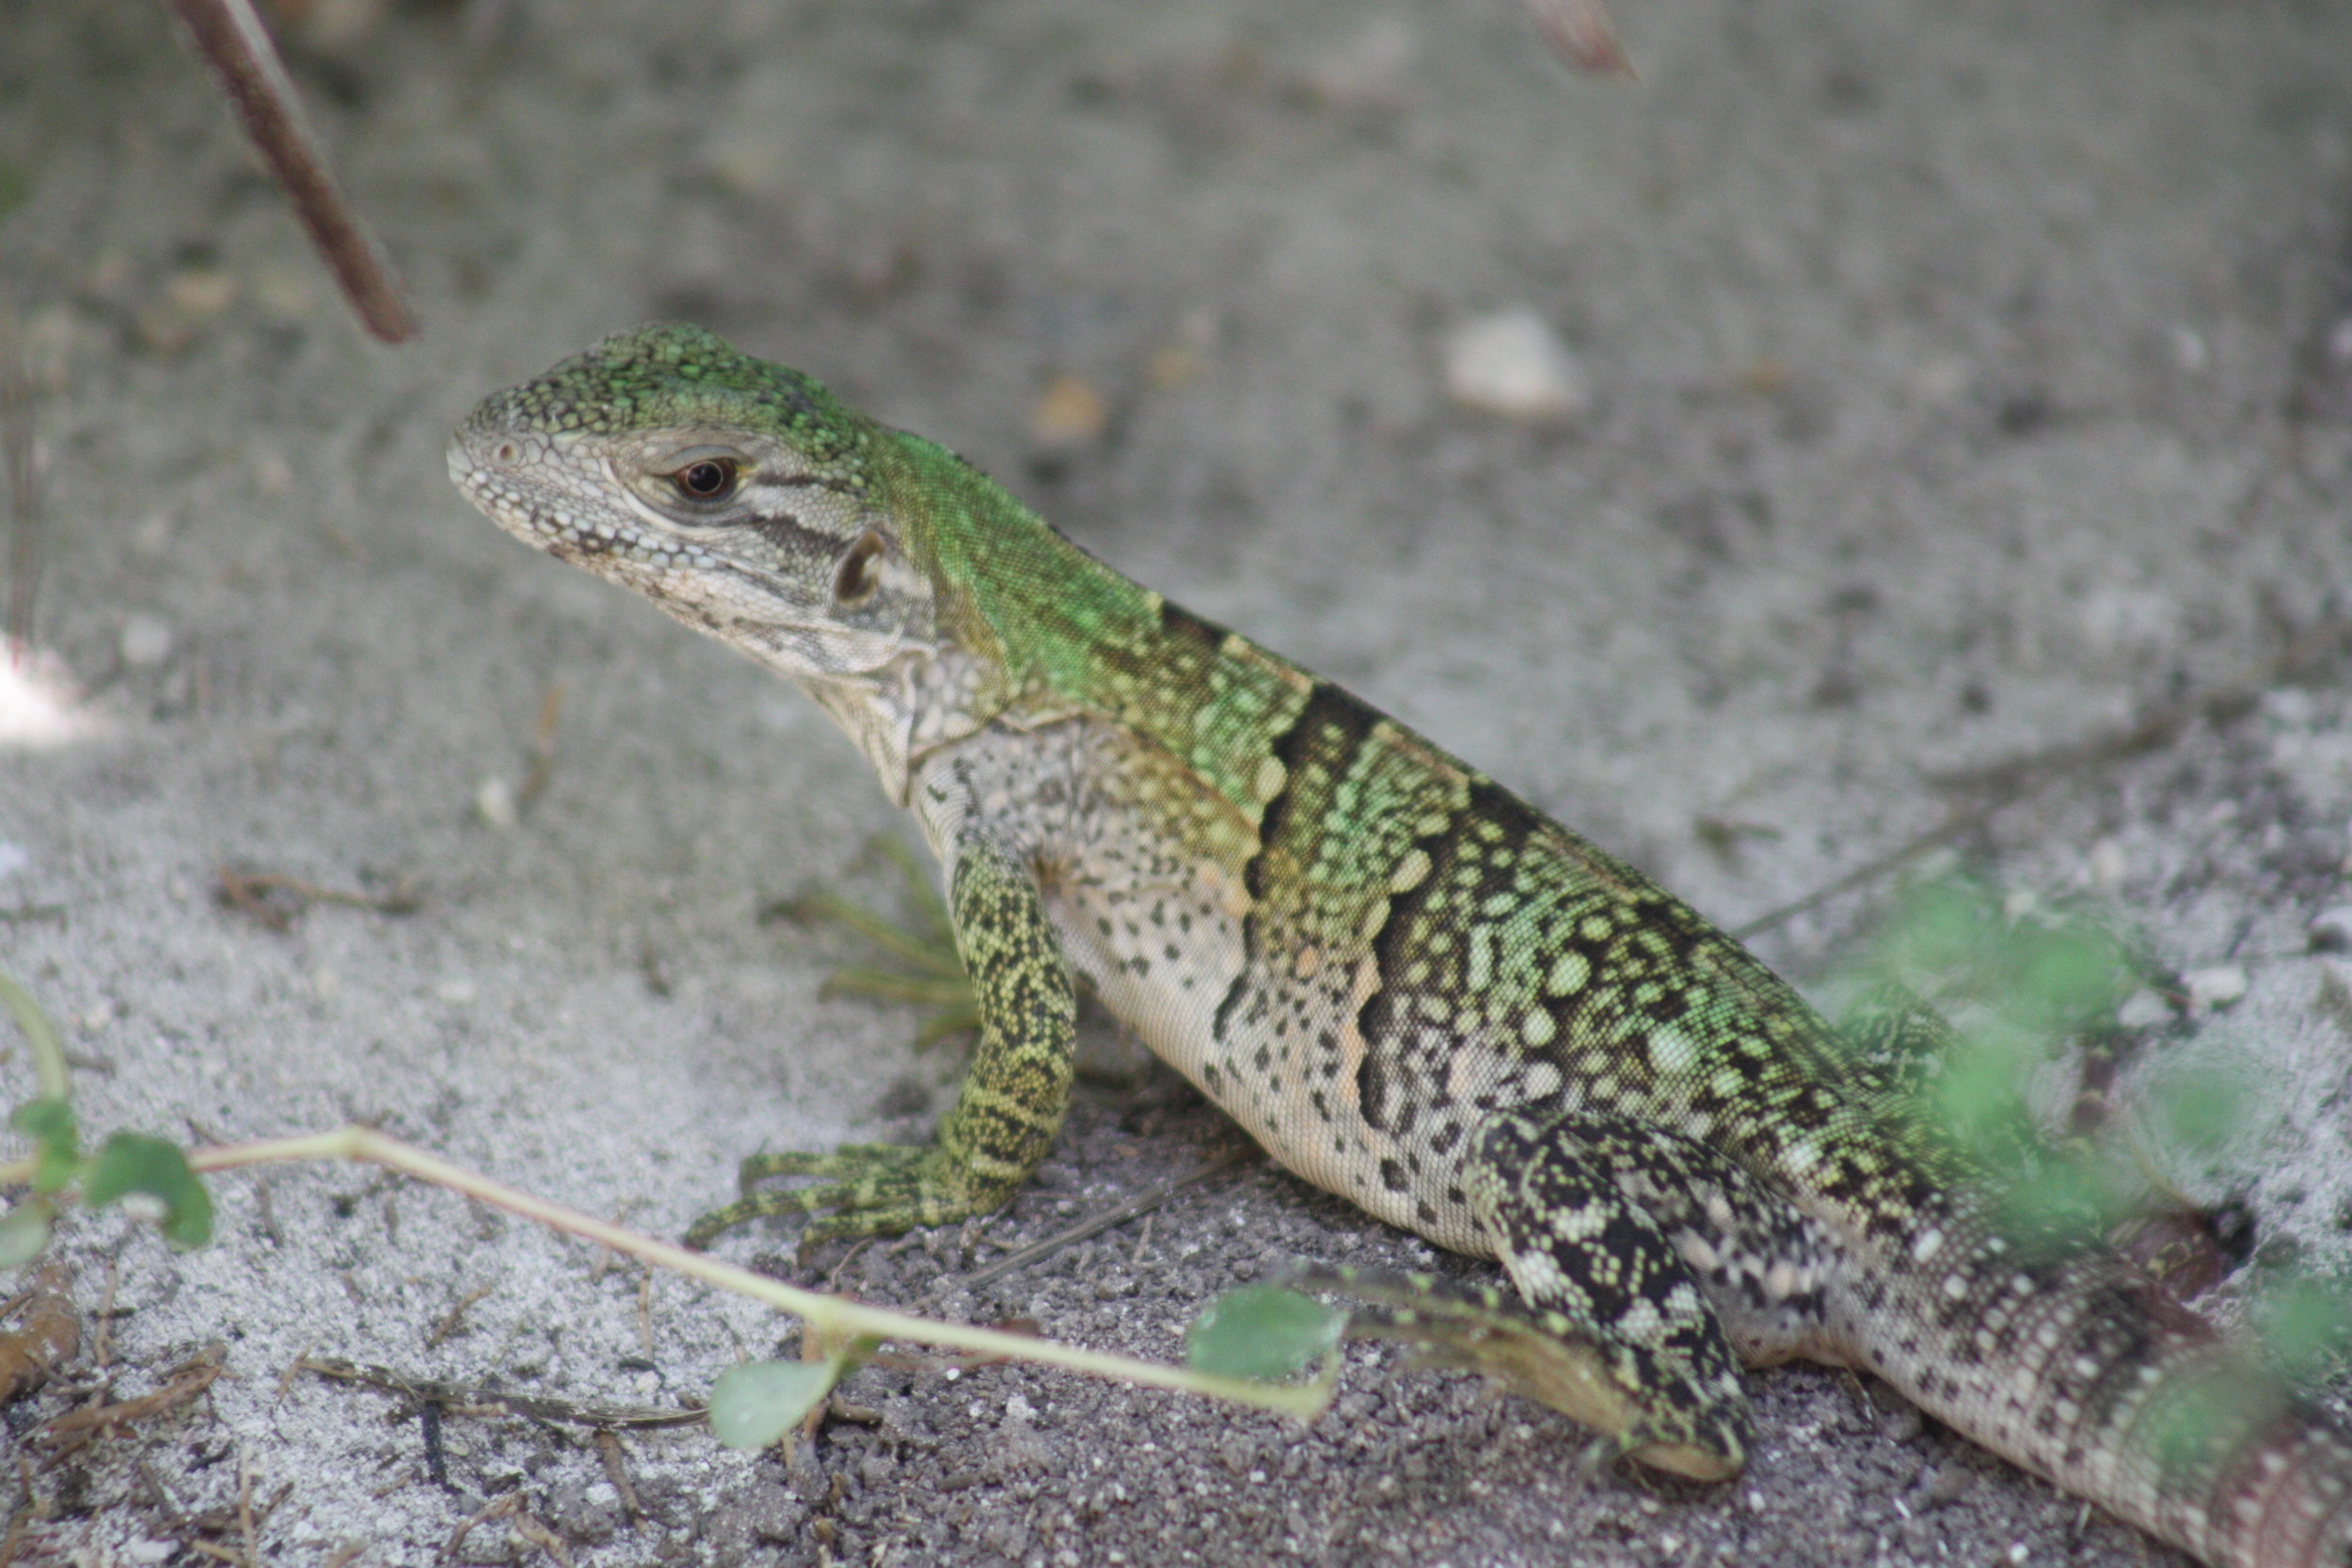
(1407, 985)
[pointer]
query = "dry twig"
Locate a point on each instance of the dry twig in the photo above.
(455, 1318)
(542, 748)
(467, 1399)
(277, 901)
(2015, 781)
(234, 43)
(184, 1383)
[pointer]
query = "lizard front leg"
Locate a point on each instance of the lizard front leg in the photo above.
(1012, 1100)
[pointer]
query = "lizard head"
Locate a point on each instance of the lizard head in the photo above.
(739, 495)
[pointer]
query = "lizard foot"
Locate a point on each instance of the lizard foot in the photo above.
(1539, 1355)
(870, 1189)
(932, 974)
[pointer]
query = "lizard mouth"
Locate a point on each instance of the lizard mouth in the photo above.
(486, 465)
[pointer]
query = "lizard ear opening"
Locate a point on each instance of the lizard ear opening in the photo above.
(854, 581)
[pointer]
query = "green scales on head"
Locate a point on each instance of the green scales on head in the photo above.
(1411, 988)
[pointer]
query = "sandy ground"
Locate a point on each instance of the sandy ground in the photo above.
(1965, 380)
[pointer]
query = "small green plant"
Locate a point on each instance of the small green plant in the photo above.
(751, 1406)
(127, 1164)
(2022, 983)
(2015, 987)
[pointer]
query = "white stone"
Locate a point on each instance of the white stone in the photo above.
(2289, 705)
(494, 803)
(2214, 987)
(146, 641)
(2143, 1009)
(37, 702)
(1513, 364)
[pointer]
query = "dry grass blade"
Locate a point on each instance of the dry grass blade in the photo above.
(235, 45)
(616, 1471)
(542, 748)
(276, 901)
(455, 1318)
(1143, 1203)
(188, 1379)
(498, 1508)
(520, 1523)
(466, 1398)
(48, 1333)
(2011, 782)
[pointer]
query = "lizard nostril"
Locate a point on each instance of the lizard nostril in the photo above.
(507, 451)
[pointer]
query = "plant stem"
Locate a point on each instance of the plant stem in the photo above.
(49, 1068)
(826, 1316)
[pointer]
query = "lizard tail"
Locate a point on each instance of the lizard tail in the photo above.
(2080, 1367)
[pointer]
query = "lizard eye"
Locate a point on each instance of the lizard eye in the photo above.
(707, 479)
(855, 582)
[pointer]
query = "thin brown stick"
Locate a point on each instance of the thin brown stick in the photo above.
(246, 1530)
(24, 495)
(456, 1316)
(616, 1471)
(466, 1398)
(1142, 1203)
(276, 900)
(102, 1351)
(187, 1380)
(498, 1508)
(2023, 777)
(542, 748)
(235, 43)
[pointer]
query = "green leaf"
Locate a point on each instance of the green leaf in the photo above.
(2072, 974)
(57, 1143)
(2065, 1194)
(135, 1162)
(24, 1230)
(2198, 1107)
(754, 1404)
(1262, 1332)
(2305, 1326)
(1976, 1097)
(1941, 926)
